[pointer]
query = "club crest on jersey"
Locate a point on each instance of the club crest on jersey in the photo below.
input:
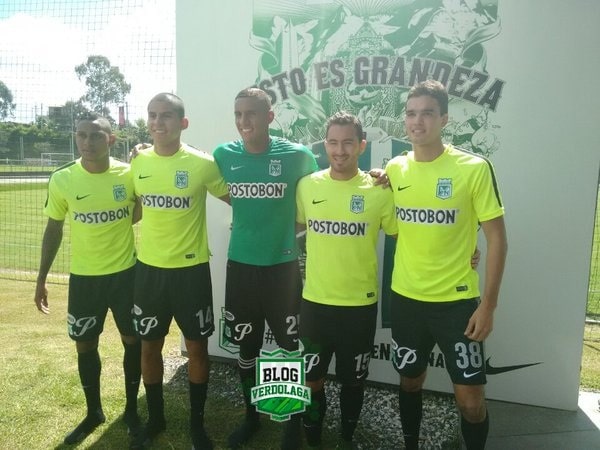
(181, 179)
(444, 188)
(357, 204)
(275, 168)
(119, 192)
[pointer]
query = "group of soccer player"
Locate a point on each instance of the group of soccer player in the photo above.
(435, 289)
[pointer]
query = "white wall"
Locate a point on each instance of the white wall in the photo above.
(548, 162)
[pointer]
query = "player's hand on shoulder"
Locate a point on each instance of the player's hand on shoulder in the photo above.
(137, 149)
(381, 178)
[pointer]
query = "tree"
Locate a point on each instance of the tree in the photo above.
(106, 85)
(128, 136)
(5, 150)
(140, 132)
(7, 106)
(63, 118)
(29, 140)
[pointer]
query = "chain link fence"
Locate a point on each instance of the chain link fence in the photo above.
(138, 37)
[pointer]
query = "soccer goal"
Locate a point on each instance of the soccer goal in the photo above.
(55, 159)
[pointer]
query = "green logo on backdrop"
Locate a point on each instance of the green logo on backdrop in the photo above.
(280, 390)
(362, 56)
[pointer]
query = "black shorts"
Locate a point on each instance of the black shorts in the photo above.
(90, 297)
(183, 293)
(417, 326)
(254, 294)
(347, 331)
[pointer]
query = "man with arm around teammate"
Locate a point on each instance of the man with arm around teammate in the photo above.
(263, 280)
(342, 210)
(173, 273)
(442, 194)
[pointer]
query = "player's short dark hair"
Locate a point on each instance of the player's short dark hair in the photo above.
(174, 100)
(432, 88)
(102, 121)
(345, 118)
(259, 94)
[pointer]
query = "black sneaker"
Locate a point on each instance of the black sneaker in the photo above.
(243, 433)
(83, 430)
(200, 440)
(344, 444)
(146, 435)
(133, 422)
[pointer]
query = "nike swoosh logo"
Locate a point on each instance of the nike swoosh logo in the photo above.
(236, 167)
(469, 375)
(82, 196)
(401, 188)
(316, 202)
(204, 333)
(141, 177)
(490, 370)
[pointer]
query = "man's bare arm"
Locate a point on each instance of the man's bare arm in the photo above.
(50, 245)
(481, 323)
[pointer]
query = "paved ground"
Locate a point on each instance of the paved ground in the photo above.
(522, 427)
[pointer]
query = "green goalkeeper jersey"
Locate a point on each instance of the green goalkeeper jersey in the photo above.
(262, 189)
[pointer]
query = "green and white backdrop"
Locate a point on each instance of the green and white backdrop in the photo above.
(521, 77)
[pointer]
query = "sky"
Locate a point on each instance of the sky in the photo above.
(43, 41)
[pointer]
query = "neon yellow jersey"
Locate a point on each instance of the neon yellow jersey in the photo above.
(343, 219)
(439, 205)
(100, 210)
(173, 190)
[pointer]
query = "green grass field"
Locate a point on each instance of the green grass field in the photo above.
(22, 227)
(593, 305)
(13, 168)
(41, 396)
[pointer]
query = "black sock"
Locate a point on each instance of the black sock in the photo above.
(475, 434)
(292, 433)
(351, 402)
(411, 413)
(132, 368)
(313, 417)
(248, 428)
(197, 402)
(156, 405)
(248, 381)
(89, 366)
